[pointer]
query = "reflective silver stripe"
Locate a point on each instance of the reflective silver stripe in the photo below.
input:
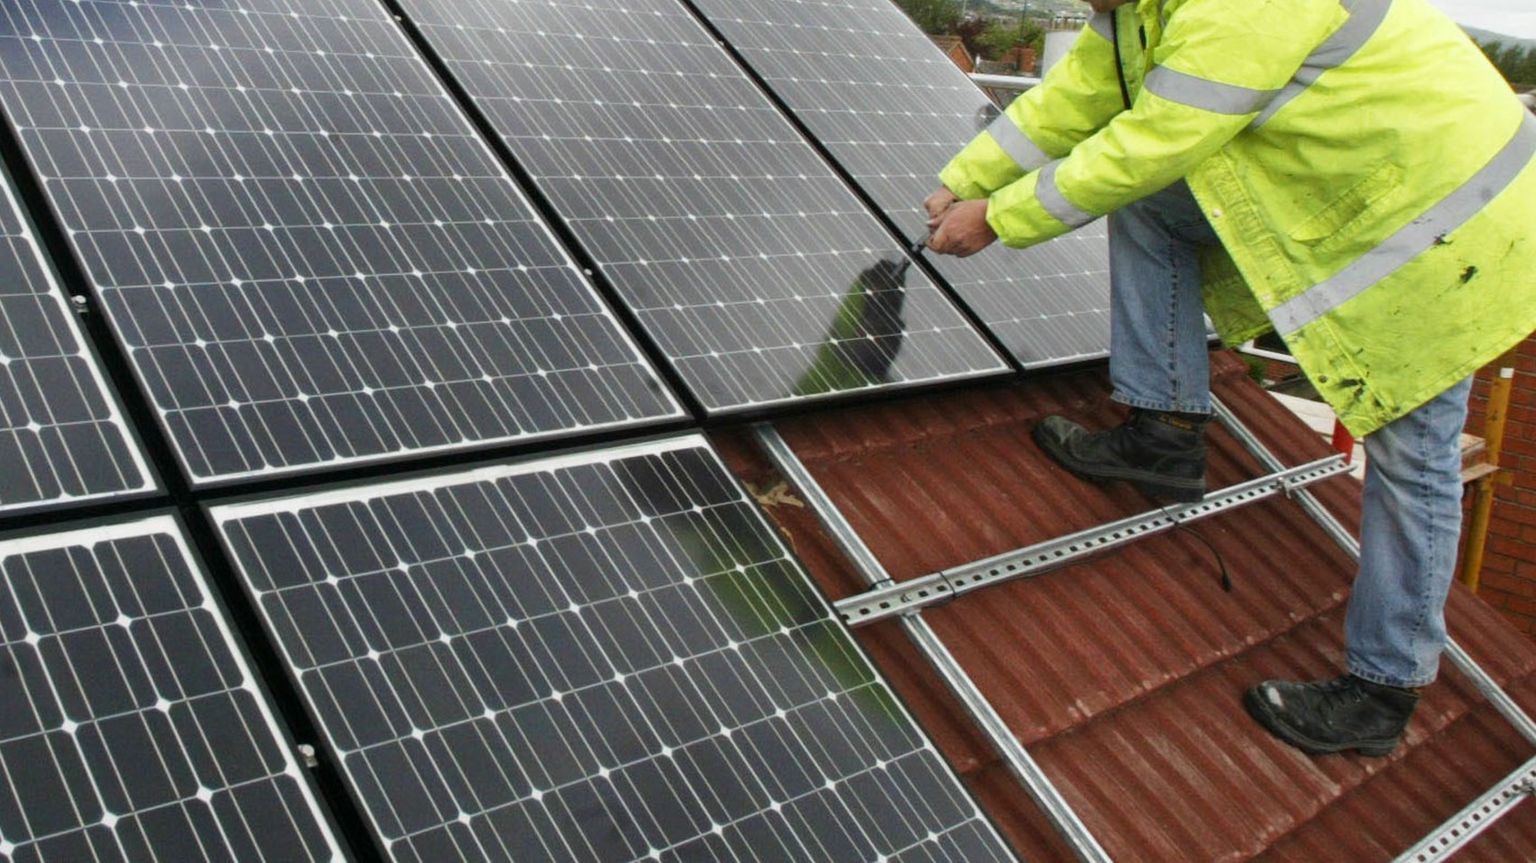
(1016, 144)
(1103, 23)
(1203, 93)
(1365, 17)
(1054, 202)
(1452, 212)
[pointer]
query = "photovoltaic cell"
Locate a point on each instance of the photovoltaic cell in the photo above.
(130, 726)
(893, 110)
(756, 269)
(309, 254)
(604, 657)
(62, 435)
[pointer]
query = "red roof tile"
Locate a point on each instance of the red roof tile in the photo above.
(1122, 675)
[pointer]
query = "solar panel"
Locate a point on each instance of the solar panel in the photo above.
(62, 435)
(601, 657)
(758, 272)
(308, 253)
(130, 725)
(893, 110)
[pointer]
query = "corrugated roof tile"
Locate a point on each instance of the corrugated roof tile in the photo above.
(1123, 674)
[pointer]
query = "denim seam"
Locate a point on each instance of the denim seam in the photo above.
(1148, 404)
(1384, 680)
(1422, 487)
(1172, 333)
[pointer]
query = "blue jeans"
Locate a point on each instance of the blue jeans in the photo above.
(1395, 626)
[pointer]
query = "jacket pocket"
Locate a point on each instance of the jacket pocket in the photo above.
(1344, 215)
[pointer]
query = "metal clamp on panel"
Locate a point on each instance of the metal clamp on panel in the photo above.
(910, 596)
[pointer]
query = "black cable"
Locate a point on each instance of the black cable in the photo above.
(1226, 577)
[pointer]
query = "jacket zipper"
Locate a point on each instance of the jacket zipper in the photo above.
(1114, 39)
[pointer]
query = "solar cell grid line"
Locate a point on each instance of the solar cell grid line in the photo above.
(892, 110)
(309, 254)
(63, 438)
(758, 272)
(131, 727)
(601, 656)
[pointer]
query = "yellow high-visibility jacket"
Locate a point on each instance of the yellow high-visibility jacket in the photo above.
(1370, 175)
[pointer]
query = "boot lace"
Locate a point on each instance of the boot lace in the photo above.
(1338, 693)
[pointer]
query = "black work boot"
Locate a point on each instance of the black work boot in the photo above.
(1333, 715)
(1163, 454)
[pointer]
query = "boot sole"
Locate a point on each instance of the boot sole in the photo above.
(1262, 714)
(1147, 482)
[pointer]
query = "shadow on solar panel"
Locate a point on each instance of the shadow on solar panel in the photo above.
(893, 109)
(603, 657)
(307, 252)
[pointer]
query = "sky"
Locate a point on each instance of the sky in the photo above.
(1510, 17)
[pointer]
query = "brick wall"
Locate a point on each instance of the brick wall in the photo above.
(1509, 570)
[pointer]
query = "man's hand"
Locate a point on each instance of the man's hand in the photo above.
(937, 203)
(962, 230)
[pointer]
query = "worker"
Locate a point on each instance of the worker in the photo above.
(1352, 174)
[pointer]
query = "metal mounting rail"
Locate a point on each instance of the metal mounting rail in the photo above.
(1465, 825)
(1462, 660)
(1016, 83)
(1500, 799)
(890, 600)
(1024, 767)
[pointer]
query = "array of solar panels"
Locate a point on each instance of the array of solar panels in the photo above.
(602, 658)
(300, 252)
(757, 271)
(304, 247)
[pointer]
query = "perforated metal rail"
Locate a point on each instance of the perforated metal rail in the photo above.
(1490, 807)
(886, 599)
(1465, 826)
(1459, 658)
(908, 596)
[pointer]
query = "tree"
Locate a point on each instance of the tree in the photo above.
(933, 16)
(1525, 72)
(973, 31)
(999, 39)
(1516, 62)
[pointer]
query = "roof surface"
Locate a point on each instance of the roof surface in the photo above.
(1123, 675)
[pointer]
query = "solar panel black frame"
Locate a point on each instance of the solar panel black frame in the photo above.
(552, 529)
(85, 450)
(892, 109)
(195, 738)
(490, 228)
(740, 251)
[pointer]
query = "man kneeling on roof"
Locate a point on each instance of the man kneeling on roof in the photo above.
(1354, 175)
